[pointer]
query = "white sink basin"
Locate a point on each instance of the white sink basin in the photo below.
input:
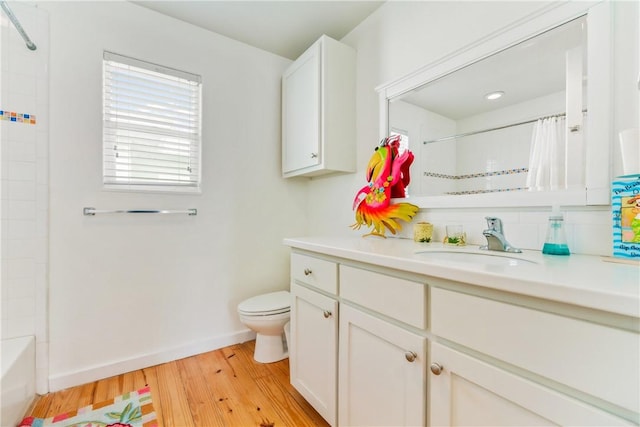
(480, 258)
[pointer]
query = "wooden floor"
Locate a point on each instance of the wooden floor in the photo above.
(225, 387)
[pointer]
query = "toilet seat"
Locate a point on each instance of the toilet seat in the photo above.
(264, 313)
(266, 305)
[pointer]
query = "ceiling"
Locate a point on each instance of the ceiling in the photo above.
(285, 28)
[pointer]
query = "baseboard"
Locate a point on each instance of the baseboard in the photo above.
(83, 376)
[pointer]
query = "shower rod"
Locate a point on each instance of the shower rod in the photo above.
(446, 138)
(31, 45)
(94, 211)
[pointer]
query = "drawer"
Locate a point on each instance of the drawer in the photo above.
(400, 299)
(315, 272)
(596, 359)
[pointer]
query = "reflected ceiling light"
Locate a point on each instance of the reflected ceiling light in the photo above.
(494, 95)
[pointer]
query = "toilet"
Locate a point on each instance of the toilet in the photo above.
(267, 314)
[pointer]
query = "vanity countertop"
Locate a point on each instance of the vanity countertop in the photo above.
(582, 280)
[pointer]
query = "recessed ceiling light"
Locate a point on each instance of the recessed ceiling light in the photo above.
(494, 95)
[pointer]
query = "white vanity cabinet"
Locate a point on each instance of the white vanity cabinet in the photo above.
(524, 366)
(318, 111)
(381, 372)
(313, 343)
(382, 360)
(443, 344)
(465, 391)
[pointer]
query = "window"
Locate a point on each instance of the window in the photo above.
(151, 126)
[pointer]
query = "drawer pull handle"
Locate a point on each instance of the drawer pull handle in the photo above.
(326, 314)
(307, 271)
(436, 368)
(410, 356)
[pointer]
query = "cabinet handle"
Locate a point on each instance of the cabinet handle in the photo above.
(314, 155)
(436, 368)
(410, 356)
(307, 271)
(326, 314)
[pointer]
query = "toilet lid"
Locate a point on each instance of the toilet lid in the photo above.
(271, 303)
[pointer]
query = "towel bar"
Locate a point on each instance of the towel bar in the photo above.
(94, 211)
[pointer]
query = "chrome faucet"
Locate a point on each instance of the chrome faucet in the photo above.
(495, 237)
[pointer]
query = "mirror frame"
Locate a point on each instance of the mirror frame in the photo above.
(597, 161)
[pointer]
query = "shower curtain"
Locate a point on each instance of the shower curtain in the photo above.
(547, 155)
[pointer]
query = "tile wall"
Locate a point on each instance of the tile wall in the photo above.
(24, 141)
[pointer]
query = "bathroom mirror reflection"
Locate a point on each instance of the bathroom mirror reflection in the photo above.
(545, 137)
(510, 122)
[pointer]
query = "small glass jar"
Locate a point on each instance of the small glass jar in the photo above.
(422, 232)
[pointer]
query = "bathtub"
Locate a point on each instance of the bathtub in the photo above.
(18, 378)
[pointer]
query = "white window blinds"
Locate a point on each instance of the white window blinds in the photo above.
(151, 126)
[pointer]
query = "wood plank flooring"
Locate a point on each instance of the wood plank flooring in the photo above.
(225, 387)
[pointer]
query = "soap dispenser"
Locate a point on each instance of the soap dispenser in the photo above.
(556, 240)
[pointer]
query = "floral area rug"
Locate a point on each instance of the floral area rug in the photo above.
(134, 409)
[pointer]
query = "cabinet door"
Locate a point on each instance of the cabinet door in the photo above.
(382, 370)
(313, 349)
(470, 392)
(301, 112)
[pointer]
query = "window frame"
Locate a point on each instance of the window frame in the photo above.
(194, 144)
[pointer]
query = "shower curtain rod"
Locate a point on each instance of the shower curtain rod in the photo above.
(31, 45)
(446, 138)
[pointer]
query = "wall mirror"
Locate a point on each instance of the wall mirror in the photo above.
(511, 121)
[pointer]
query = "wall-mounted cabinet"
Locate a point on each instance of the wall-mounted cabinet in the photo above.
(318, 111)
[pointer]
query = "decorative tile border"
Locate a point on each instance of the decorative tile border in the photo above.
(12, 116)
(498, 190)
(478, 175)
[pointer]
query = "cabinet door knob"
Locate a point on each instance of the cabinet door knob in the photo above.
(326, 314)
(307, 271)
(436, 368)
(410, 356)
(314, 155)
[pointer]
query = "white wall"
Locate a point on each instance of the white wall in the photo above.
(24, 88)
(128, 291)
(403, 36)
